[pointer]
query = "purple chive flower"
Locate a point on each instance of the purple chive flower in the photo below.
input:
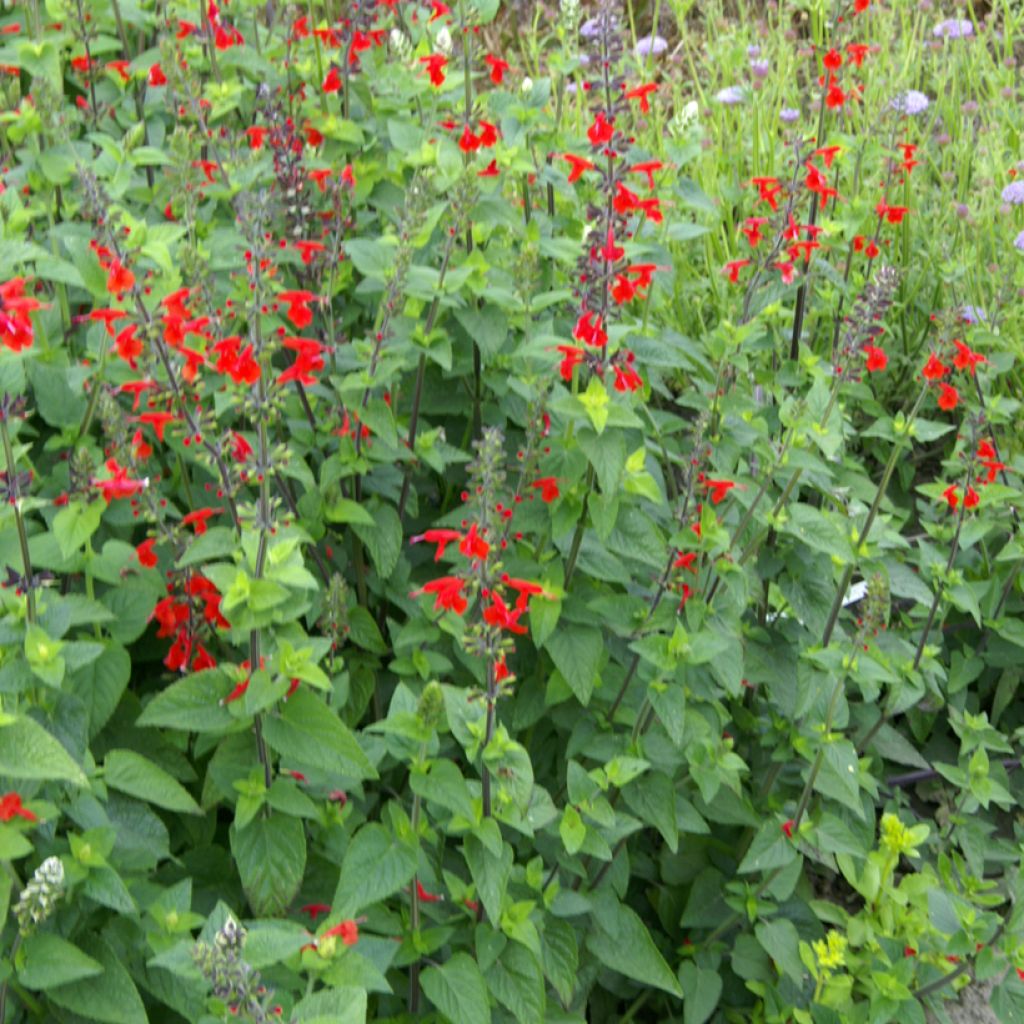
(593, 27)
(954, 28)
(753, 52)
(731, 95)
(910, 102)
(787, 115)
(759, 68)
(973, 315)
(1018, 242)
(1014, 193)
(647, 45)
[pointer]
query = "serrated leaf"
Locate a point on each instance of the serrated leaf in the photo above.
(270, 854)
(621, 941)
(46, 960)
(28, 751)
(341, 1005)
(344, 510)
(131, 773)
(576, 652)
(702, 988)
(561, 957)
(310, 732)
(383, 539)
(518, 983)
(374, 866)
(458, 990)
(192, 703)
(110, 997)
(490, 873)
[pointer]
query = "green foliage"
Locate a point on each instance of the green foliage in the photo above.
(504, 524)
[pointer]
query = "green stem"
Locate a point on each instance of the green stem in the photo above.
(577, 540)
(19, 522)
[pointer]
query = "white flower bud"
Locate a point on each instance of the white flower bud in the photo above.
(444, 41)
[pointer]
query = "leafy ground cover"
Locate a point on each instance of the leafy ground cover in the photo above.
(510, 514)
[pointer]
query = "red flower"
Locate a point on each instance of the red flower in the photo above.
(332, 81)
(971, 498)
(108, 317)
(246, 370)
(525, 588)
(256, 135)
(579, 165)
(308, 362)
(787, 828)
(768, 189)
(127, 346)
(934, 369)
(468, 142)
(199, 517)
(647, 168)
(835, 97)
(11, 807)
(965, 359)
(828, 153)
(347, 931)
(298, 310)
(786, 271)
(423, 895)
(157, 76)
(241, 449)
(435, 65)
(309, 250)
(833, 60)
(624, 200)
(442, 538)
(948, 397)
(119, 278)
(489, 134)
(857, 52)
(909, 951)
(548, 487)
(118, 486)
(145, 553)
(498, 67)
(473, 546)
(447, 593)
(490, 171)
(320, 176)
(733, 268)
(718, 490)
(589, 330)
(499, 615)
(158, 421)
(626, 378)
(877, 359)
(315, 910)
(641, 92)
(686, 561)
(601, 130)
(238, 692)
(951, 496)
(571, 357)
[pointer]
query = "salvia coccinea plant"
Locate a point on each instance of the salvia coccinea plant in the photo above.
(510, 514)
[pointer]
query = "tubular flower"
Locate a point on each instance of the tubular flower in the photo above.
(442, 538)
(579, 165)
(934, 369)
(447, 591)
(877, 359)
(965, 359)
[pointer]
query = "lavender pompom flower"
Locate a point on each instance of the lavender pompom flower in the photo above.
(730, 96)
(973, 315)
(1018, 242)
(648, 45)
(954, 28)
(910, 102)
(1014, 193)
(787, 115)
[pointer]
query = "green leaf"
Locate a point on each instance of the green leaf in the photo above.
(781, 941)
(572, 830)
(621, 942)
(307, 730)
(770, 849)
(28, 751)
(344, 1005)
(838, 775)
(344, 510)
(374, 866)
(270, 854)
(46, 960)
(518, 983)
(561, 957)
(576, 652)
(110, 997)
(74, 524)
(490, 873)
(383, 539)
(133, 774)
(702, 988)
(218, 542)
(192, 704)
(652, 798)
(488, 327)
(595, 401)
(458, 990)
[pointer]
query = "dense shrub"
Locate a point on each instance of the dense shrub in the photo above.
(510, 515)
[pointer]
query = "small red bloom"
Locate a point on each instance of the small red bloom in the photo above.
(965, 359)
(11, 807)
(424, 896)
(877, 359)
(548, 487)
(298, 310)
(447, 593)
(198, 519)
(145, 553)
(118, 486)
(641, 92)
(934, 369)
(647, 168)
(347, 931)
(718, 490)
(601, 130)
(119, 278)
(442, 538)
(787, 828)
(157, 76)
(315, 910)
(833, 60)
(950, 494)
(435, 65)
(733, 268)
(498, 67)
(971, 498)
(948, 397)
(473, 546)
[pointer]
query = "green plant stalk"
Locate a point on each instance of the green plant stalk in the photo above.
(319, 58)
(577, 539)
(19, 522)
(414, 969)
(865, 531)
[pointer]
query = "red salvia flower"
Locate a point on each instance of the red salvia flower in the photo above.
(601, 130)
(718, 490)
(733, 268)
(877, 359)
(579, 165)
(11, 807)
(473, 546)
(442, 538)
(965, 359)
(298, 310)
(934, 369)
(498, 67)
(447, 593)
(950, 494)
(118, 485)
(119, 278)
(435, 65)
(347, 931)
(641, 92)
(548, 487)
(157, 76)
(158, 421)
(949, 397)
(145, 553)
(647, 168)
(971, 498)
(198, 519)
